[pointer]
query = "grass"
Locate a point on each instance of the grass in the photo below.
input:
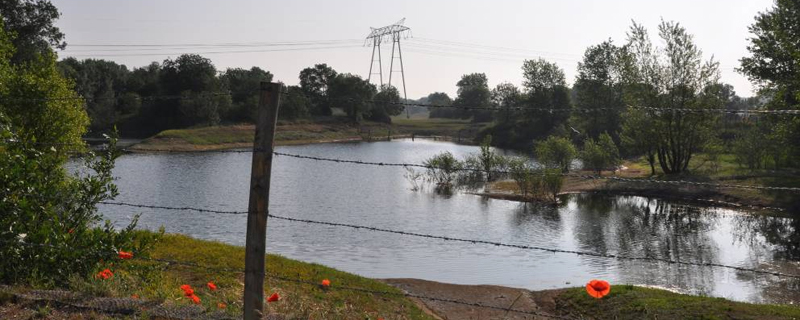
(155, 281)
(630, 302)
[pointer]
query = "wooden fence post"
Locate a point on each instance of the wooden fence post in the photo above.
(258, 208)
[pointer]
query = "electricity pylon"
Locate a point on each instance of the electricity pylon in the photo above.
(393, 32)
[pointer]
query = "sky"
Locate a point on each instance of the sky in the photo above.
(448, 38)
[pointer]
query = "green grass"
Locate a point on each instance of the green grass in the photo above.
(630, 302)
(155, 281)
(210, 135)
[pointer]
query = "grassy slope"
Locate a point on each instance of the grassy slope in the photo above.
(630, 302)
(153, 281)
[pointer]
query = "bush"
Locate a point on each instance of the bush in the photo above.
(50, 228)
(443, 170)
(748, 149)
(556, 152)
(600, 154)
(527, 178)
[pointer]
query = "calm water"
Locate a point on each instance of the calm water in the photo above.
(381, 197)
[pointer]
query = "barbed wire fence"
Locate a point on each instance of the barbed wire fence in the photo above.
(367, 228)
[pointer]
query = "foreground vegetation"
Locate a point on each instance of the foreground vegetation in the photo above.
(631, 302)
(160, 282)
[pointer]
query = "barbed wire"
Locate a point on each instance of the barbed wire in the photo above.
(298, 280)
(471, 241)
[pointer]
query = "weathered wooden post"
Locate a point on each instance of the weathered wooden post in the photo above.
(258, 208)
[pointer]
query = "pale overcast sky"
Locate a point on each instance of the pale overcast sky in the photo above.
(558, 31)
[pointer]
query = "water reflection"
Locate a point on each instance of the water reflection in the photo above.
(379, 196)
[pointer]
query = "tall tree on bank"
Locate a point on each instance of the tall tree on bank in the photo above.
(315, 83)
(194, 78)
(672, 77)
(351, 93)
(31, 27)
(473, 92)
(598, 87)
(386, 104)
(774, 65)
(244, 86)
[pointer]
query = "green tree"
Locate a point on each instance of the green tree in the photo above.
(194, 78)
(443, 170)
(598, 87)
(527, 178)
(101, 82)
(315, 83)
(473, 92)
(31, 26)
(774, 65)
(556, 152)
(244, 86)
(506, 96)
(352, 94)
(638, 131)
(295, 105)
(49, 226)
(440, 99)
(600, 154)
(674, 76)
(387, 104)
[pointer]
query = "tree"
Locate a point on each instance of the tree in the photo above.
(440, 99)
(774, 66)
(194, 78)
(295, 105)
(315, 83)
(504, 97)
(600, 154)
(244, 86)
(556, 152)
(31, 25)
(637, 132)
(387, 104)
(598, 87)
(473, 92)
(673, 77)
(442, 170)
(101, 82)
(351, 93)
(49, 221)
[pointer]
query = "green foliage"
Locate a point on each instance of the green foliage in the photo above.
(440, 99)
(352, 94)
(773, 66)
(316, 83)
(443, 170)
(244, 86)
(31, 23)
(600, 154)
(194, 78)
(387, 104)
(671, 77)
(295, 105)
(556, 152)
(525, 175)
(599, 87)
(749, 150)
(637, 133)
(552, 181)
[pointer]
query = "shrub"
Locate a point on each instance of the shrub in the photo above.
(600, 154)
(556, 152)
(443, 170)
(49, 227)
(527, 178)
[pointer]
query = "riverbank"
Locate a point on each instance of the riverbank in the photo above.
(143, 289)
(324, 130)
(773, 202)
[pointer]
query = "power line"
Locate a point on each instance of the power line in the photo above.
(215, 52)
(223, 44)
(471, 241)
(145, 98)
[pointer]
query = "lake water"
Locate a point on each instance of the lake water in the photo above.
(381, 197)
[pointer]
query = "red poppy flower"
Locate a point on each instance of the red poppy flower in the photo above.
(326, 283)
(125, 255)
(134, 296)
(194, 298)
(211, 286)
(71, 231)
(105, 274)
(186, 287)
(222, 305)
(188, 292)
(274, 297)
(598, 288)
